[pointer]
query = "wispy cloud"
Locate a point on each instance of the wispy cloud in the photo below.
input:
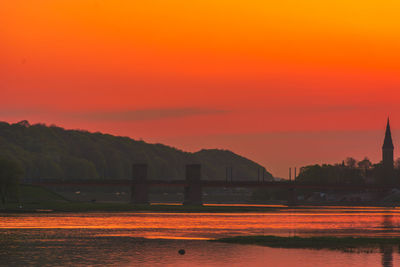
(145, 114)
(111, 115)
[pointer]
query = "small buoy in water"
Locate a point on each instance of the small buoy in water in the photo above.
(182, 251)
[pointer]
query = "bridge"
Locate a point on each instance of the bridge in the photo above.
(193, 185)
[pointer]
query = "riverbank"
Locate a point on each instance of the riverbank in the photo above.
(70, 206)
(36, 199)
(323, 242)
(127, 207)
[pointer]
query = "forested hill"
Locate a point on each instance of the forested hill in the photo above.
(50, 152)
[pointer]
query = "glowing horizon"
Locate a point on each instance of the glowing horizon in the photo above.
(285, 84)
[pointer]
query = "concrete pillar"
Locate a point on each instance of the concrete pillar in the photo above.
(140, 188)
(193, 190)
(292, 201)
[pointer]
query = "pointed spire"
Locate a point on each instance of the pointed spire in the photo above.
(387, 143)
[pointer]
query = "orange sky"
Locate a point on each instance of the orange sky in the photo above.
(285, 83)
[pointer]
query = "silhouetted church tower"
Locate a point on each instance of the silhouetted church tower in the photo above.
(387, 150)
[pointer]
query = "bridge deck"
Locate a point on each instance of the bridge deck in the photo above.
(214, 183)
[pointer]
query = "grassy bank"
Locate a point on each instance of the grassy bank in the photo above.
(120, 207)
(61, 205)
(41, 199)
(326, 242)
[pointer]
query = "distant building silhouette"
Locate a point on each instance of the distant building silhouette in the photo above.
(387, 150)
(387, 158)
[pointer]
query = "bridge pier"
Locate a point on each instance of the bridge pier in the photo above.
(140, 188)
(193, 190)
(292, 201)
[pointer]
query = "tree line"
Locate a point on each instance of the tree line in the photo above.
(51, 152)
(349, 171)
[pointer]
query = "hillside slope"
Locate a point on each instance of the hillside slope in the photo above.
(50, 152)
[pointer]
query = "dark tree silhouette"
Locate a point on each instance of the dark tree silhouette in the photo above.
(397, 163)
(364, 164)
(10, 173)
(330, 174)
(53, 153)
(350, 162)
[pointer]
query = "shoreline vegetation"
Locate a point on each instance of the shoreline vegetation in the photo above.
(125, 207)
(316, 242)
(36, 199)
(63, 206)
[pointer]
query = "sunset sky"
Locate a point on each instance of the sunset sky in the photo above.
(284, 83)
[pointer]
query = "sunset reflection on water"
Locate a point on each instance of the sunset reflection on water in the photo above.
(153, 238)
(319, 221)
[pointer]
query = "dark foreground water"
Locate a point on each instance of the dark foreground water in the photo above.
(153, 239)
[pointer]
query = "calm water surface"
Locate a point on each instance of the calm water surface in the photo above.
(153, 239)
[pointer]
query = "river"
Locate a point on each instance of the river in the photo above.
(154, 238)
